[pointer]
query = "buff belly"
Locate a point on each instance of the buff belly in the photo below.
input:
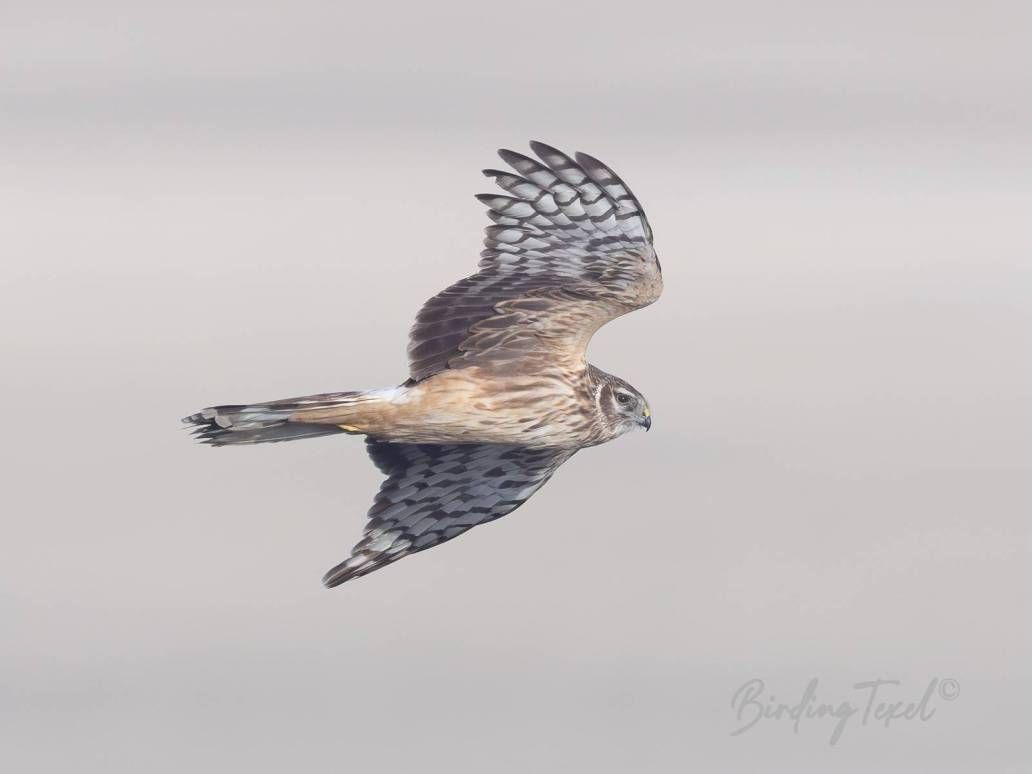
(463, 406)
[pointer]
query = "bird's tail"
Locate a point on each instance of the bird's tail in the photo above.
(281, 420)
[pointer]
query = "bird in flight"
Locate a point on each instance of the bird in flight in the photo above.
(500, 392)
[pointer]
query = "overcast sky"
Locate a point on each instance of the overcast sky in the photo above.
(225, 202)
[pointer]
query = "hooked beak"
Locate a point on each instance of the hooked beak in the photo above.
(646, 419)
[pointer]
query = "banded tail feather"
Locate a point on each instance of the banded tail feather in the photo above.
(281, 420)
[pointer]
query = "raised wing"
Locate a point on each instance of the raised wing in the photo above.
(570, 249)
(436, 492)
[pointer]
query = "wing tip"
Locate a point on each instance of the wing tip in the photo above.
(357, 565)
(340, 573)
(543, 149)
(335, 577)
(587, 160)
(516, 159)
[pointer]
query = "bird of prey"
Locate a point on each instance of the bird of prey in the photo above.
(500, 392)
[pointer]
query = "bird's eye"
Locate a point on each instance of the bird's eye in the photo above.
(623, 399)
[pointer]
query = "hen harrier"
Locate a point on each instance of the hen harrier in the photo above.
(500, 393)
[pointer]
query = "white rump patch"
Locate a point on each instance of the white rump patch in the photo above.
(395, 395)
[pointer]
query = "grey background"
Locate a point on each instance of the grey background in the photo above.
(206, 203)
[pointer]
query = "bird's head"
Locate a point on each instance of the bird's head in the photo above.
(624, 406)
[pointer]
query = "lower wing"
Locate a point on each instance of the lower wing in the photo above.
(435, 492)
